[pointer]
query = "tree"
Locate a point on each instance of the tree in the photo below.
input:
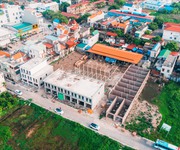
(172, 46)
(83, 18)
(63, 6)
(5, 134)
(157, 38)
(120, 2)
(159, 21)
(119, 32)
(147, 32)
(153, 26)
(113, 6)
(49, 25)
(22, 7)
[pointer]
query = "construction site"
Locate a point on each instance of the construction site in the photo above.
(122, 85)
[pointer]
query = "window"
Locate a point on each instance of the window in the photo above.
(79, 96)
(86, 99)
(163, 70)
(40, 78)
(175, 38)
(90, 100)
(168, 71)
(170, 37)
(82, 97)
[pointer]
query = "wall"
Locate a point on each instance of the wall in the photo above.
(171, 35)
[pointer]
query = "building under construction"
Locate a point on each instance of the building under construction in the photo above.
(126, 92)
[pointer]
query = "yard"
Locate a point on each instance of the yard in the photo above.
(32, 127)
(168, 102)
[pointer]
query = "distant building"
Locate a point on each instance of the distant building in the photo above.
(67, 1)
(10, 14)
(155, 4)
(95, 17)
(2, 83)
(132, 7)
(168, 66)
(34, 72)
(171, 31)
(80, 91)
(92, 39)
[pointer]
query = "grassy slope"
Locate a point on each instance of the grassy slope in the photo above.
(167, 17)
(53, 132)
(168, 102)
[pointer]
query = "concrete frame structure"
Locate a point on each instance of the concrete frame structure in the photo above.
(98, 71)
(82, 92)
(126, 92)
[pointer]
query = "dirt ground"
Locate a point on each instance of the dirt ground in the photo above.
(146, 109)
(67, 63)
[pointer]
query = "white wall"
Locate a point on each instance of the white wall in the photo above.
(91, 40)
(93, 20)
(171, 35)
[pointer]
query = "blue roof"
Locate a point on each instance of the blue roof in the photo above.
(88, 47)
(111, 60)
(52, 38)
(128, 4)
(156, 46)
(81, 45)
(56, 20)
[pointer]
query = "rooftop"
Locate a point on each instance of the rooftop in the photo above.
(3, 53)
(68, 15)
(52, 38)
(21, 25)
(32, 63)
(96, 14)
(18, 55)
(164, 53)
(118, 54)
(75, 83)
(170, 60)
(172, 27)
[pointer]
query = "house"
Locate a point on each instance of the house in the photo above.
(171, 31)
(34, 48)
(2, 83)
(95, 17)
(92, 39)
(164, 54)
(76, 89)
(132, 7)
(139, 33)
(74, 29)
(154, 52)
(34, 72)
(168, 66)
(155, 4)
(84, 31)
(5, 36)
(70, 15)
(18, 57)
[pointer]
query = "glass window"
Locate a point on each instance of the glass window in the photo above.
(90, 100)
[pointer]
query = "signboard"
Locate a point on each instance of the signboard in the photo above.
(35, 26)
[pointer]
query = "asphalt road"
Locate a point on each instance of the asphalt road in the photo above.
(106, 128)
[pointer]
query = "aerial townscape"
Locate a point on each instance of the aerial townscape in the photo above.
(89, 74)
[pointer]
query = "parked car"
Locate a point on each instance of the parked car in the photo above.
(18, 92)
(59, 111)
(94, 126)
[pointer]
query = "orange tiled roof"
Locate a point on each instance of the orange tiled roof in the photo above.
(62, 47)
(172, 27)
(48, 45)
(68, 15)
(111, 52)
(97, 14)
(119, 25)
(111, 34)
(18, 55)
(59, 26)
(3, 53)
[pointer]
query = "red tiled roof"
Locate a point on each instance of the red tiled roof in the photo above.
(48, 45)
(131, 46)
(118, 54)
(18, 55)
(172, 27)
(68, 15)
(111, 34)
(174, 53)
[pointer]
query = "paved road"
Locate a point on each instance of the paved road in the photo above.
(107, 127)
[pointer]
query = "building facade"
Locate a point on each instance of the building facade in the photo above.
(34, 71)
(171, 31)
(95, 17)
(75, 89)
(10, 14)
(2, 83)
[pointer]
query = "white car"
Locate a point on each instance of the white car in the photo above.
(18, 92)
(59, 111)
(94, 126)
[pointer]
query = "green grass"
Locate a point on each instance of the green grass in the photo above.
(175, 18)
(168, 102)
(51, 131)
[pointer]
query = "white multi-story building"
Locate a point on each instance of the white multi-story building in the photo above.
(168, 66)
(2, 83)
(76, 89)
(10, 14)
(155, 4)
(132, 8)
(35, 49)
(34, 72)
(95, 17)
(91, 39)
(171, 31)
(32, 17)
